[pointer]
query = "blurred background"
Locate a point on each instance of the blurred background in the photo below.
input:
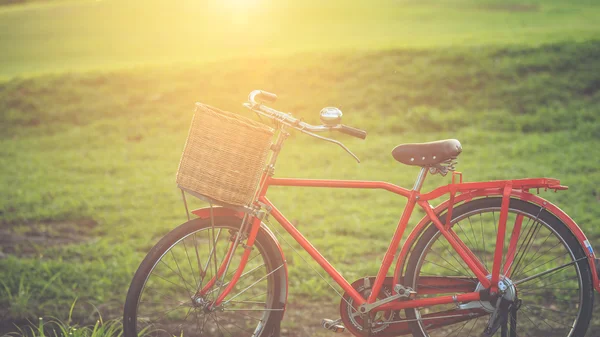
(96, 98)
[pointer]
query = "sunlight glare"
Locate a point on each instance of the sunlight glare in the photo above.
(240, 4)
(240, 12)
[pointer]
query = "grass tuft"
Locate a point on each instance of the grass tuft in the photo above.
(66, 328)
(57, 328)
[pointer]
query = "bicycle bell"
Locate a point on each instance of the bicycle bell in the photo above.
(331, 116)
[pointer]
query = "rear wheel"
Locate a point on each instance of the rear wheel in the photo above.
(555, 302)
(163, 298)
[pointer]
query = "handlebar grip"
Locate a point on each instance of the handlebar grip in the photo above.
(266, 96)
(358, 133)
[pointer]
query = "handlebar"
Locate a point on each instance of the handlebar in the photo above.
(358, 133)
(288, 119)
(257, 97)
(263, 96)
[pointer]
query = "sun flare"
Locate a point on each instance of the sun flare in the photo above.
(240, 4)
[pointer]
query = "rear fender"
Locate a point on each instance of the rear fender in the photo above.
(516, 194)
(204, 213)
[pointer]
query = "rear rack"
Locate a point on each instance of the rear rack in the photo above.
(545, 183)
(517, 184)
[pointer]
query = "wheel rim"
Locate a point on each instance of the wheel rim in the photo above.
(169, 304)
(551, 303)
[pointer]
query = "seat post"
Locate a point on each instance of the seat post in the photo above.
(420, 179)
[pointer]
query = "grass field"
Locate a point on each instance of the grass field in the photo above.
(95, 106)
(38, 38)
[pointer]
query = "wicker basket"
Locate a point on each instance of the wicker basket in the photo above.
(224, 156)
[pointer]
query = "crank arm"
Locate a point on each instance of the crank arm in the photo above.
(365, 308)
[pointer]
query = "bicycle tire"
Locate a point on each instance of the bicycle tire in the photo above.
(537, 298)
(206, 323)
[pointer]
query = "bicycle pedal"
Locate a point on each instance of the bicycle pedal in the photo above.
(332, 325)
(412, 295)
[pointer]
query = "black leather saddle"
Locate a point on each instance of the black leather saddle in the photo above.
(427, 154)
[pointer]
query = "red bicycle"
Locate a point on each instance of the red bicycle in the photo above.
(492, 260)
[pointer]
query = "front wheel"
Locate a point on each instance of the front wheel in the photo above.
(554, 302)
(164, 297)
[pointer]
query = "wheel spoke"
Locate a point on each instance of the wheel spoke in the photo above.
(467, 272)
(252, 309)
(201, 272)
(447, 262)
(179, 269)
(539, 265)
(190, 264)
(533, 230)
(219, 326)
(544, 320)
(241, 277)
(534, 258)
(472, 327)
(252, 285)
(548, 271)
(237, 326)
(454, 270)
(544, 308)
(175, 284)
(483, 238)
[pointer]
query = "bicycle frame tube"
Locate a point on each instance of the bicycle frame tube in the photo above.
(512, 246)
(500, 236)
(338, 184)
(465, 253)
(313, 252)
(388, 258)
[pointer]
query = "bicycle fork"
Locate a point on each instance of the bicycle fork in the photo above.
(219, 277)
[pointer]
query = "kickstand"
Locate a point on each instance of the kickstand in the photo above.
(498, 319)
(504, 330)
(506, 311)
(513, 318)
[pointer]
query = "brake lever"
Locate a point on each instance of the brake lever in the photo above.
(332, 141)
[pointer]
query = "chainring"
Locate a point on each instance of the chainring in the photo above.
(378, 319)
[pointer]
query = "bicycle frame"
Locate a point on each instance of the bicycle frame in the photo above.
(505, 188)
(458, 192)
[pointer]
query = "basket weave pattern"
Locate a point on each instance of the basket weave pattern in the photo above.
(224, 156)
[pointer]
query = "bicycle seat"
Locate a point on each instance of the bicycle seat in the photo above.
(427, 154)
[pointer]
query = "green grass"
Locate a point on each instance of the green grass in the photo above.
(113, 34)
(95, 147)
(67, 328)
(105, 146)
(57, 328)
(549, 88)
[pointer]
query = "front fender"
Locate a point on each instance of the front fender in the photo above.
(204, 213)
(516, 194)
